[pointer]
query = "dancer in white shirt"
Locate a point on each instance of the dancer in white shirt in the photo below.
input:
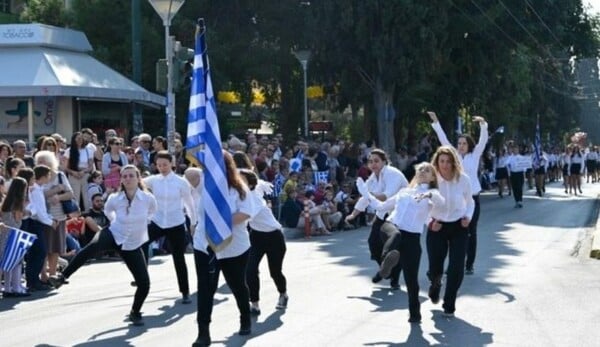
(173, 193)
(384, 182)
(447, 231)
(403, 228)
(129, 212)
(469, 154)
(231, 260)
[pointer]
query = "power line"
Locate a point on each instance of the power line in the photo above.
(543, 23)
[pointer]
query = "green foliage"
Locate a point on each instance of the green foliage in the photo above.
(51, 12)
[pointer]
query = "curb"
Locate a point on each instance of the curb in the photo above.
(595, 251)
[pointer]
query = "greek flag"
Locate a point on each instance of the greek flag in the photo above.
(204, 144)
(321, 176)
(17, 245)
(537, 145)
(296, 162)
(278, 184)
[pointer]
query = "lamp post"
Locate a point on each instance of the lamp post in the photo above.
(167, 9)
(303, 56)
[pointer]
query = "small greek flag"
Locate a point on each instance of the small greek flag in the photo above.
(17, 245)
(537, 145)
(204, 143)
(278, 184)
(321, 176)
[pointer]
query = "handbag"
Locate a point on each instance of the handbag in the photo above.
(68, 206)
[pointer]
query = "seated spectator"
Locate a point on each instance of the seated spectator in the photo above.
(293, 208)
(345, 200)
(291, 184)
(95, 219)
(330, 215)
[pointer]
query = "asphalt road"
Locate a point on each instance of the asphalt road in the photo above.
(533, 286)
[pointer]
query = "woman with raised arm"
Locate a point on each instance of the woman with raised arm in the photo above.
(403, 228)
(129, 211)
(447, 231)
(469, 155)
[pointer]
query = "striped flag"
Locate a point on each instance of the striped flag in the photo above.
(17, 245)
(537, 145)
(321, 176)
(203, 144)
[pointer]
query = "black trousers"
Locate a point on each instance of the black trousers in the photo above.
(451, 241)
(273, 245)
(472, 235)
(36, 255)
(134, 259)
(409, 246)
(376, 241)
(178, 242)
(516, 182)
(207, 272)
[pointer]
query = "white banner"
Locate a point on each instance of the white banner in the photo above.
(521, 163)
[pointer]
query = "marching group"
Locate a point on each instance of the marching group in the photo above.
(131, 196)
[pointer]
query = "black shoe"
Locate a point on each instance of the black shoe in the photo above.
(255, 311)
(186, 299)
(203, 339)
(133, 284)
(56, 281)
(41, 287)
(434, 292)
(448, 314)
(245, 329)
(414, 319)
(377, 278)
(389, 261)
(394, 285)
(469, 271)
(136, 318)
(282, 302)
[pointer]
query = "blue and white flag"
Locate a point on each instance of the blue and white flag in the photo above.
(204, 143)
(17, 245)
(278, 184)
(321, 176)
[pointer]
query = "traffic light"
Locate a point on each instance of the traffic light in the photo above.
(183, 66)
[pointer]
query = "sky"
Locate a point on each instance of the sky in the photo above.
(595, 5)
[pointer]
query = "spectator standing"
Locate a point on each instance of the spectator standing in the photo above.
(80, 162)
(112, 162)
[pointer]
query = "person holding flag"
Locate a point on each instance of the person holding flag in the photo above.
(17, 242)
(222, 243)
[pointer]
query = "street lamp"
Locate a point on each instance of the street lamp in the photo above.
(303, 56)
(167, 9)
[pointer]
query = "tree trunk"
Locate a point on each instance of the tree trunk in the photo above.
(385, 117)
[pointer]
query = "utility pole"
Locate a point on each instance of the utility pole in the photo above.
(136, 59)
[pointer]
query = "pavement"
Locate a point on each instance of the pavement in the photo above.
(534, 285)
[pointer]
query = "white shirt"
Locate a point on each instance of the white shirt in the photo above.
(37, 205)
(129, 224)
(409, 214)
(172, 193)
(515, 163)
(85, 154)
(501, 162)
(459, 200)
(262, 219)
(470, 161)
(389, 182)
(240, 242)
